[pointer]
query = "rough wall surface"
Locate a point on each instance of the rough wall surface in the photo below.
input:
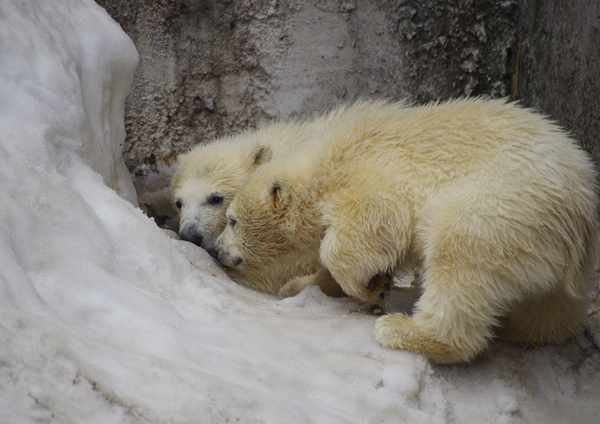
(560, 67)
(212, 67)
(209, 68)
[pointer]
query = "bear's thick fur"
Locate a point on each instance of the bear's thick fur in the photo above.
(209, 175)
(494, 203)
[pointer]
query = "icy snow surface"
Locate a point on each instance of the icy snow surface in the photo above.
(105, 318)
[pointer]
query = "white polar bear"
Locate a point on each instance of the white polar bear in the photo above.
(209, 175)
(494, 203)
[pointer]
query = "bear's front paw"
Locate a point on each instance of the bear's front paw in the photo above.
(378, 288)
(398, 331)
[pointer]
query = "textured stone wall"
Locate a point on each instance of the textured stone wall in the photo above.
(560, 66)
(209, 68)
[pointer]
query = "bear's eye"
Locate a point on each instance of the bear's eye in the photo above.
(232, 221)
(178, 204)
(215, 199)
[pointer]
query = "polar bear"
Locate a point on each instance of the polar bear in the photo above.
(208, 176)
(495, 205)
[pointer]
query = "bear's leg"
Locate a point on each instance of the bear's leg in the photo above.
(365, 239)
(321, 278)
(454, 319)
(549, 318)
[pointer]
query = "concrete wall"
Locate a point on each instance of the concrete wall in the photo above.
(209, 68)
(560, 71)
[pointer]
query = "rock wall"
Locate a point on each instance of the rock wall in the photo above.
(560, 66)
(212, 67)
(209, 68)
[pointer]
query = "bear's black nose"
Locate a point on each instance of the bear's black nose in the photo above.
(191, 235)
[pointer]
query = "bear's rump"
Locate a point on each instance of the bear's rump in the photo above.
(507, 228)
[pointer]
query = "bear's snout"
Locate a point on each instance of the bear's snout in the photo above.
(223, 257)
(192, 235)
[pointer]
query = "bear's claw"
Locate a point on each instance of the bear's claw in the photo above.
(377, 288)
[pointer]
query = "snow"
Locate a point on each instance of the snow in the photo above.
(106, 318)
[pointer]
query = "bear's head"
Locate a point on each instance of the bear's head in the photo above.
(205, 183)
(271, 223)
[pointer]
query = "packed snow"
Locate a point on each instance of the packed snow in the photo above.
(106, 318)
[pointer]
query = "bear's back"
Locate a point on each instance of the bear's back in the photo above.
(442, 142)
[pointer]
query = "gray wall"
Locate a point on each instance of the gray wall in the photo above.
(561, 64)
(209, 68)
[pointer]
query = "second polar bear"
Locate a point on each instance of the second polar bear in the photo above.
(209, 175)
(495, 204)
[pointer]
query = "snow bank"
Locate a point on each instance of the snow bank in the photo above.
(105, 318)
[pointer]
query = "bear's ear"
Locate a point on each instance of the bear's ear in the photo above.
(277, 192)
(260, 154)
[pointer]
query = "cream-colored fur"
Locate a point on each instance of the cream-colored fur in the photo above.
(208, 176)
(495, 204)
